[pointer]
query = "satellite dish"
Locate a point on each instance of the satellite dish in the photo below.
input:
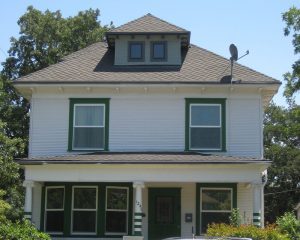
(233, 52)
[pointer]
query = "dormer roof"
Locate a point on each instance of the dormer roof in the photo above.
(149, 25)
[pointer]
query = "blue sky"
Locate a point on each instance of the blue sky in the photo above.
(253, 25)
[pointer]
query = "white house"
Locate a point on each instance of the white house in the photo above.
(139, 136)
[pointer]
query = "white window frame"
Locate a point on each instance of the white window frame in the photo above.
(205, 126)
(84, 210)
(53, 210)
(117, 210)
(216, 211)
(100, 126)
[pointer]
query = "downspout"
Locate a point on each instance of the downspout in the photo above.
(264, 182)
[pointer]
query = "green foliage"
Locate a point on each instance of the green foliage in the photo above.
(235, 217)
(4, 207)
(245, 231)
(282, 146)
(292, 21)
(289, 225)
(45, 38)
(21, 230)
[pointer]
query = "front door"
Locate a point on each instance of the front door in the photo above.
(164, 213)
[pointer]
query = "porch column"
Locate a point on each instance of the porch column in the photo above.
(28, 199)
(138, 214)
(257, 204)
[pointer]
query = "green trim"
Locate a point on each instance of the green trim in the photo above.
(138, 214)
(137, 220)
(221, 101)
(256, 214)
(100, 230)
(73, 101)
(233, 186)
(27, 213)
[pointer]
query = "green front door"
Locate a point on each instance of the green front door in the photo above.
(164, 213)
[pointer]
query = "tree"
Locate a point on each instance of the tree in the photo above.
(45, 38)
(292, 20)
(282, 146)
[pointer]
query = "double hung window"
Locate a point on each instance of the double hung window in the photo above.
(116, 210)
(206, 124)
(84, 210)
(88, 128)
(54, 209)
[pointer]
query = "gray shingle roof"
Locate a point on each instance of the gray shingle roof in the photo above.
(94, 64)
(142, 158)
(146, 24)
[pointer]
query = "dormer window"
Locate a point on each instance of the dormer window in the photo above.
(136, 51)
(159, 51)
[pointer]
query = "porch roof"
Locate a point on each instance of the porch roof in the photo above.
(141, 158)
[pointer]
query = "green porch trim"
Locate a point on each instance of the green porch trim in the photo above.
(256, 214)
(27, 213)
(100, 229)
(73, 101)
(221, 101)
(233, 186)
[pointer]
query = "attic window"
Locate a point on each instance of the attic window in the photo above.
(158, 51)
(136, 51)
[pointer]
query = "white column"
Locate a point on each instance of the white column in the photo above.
(28, 199)
(138, 214)
(257, 204)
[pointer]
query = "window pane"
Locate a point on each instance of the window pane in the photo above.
(84, 198)
(205, 115)
(216, 199)
(205, 138)
(164, 210)
(54, 221)
(116, 198)
(84, 221)
(136, 50)
(116, 222)
(159, 50)
(89, 115)
(55, 198)
(209, 218)
(89, 138)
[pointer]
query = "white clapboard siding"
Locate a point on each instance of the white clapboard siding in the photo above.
(244, 202)
(143, 124)
(49, 127)
(244, 127)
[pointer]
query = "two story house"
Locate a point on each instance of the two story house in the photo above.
(139, 136)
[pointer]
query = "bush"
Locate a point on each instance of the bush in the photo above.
(245, 231)
(289, 225)
(20, 230)
(235, 218)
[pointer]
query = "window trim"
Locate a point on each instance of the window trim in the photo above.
(165, 58)
(117, 210)
(205, 101)
(88, 101)
(87, 210)
(59, 209)
(232, 186)
(130, 59)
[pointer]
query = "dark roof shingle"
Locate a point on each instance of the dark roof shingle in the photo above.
(94, 64)
(146, 24)
(142, 158)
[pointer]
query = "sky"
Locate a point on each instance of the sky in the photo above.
(254, 25)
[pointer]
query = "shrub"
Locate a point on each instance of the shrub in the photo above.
(245, 231)
(21, 230)
(235, 217)
(289, 225)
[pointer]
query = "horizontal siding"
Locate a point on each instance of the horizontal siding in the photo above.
(244, 127)
(143, 123)
(146, 124)
(244, 202)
